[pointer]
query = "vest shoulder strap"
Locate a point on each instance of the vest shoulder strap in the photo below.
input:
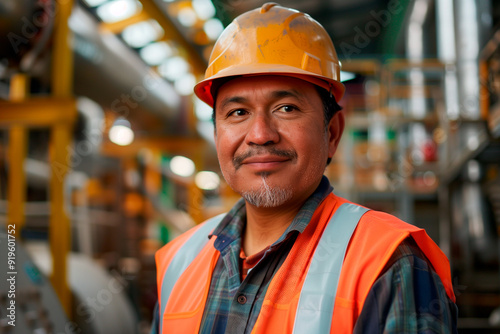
(183, 257)
(317, 298)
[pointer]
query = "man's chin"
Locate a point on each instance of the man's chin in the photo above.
(267, 196)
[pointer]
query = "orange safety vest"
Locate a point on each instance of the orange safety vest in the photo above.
(293, 302)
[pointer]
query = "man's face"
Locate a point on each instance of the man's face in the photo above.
(271, 138)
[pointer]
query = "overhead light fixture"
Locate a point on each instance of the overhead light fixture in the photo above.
(187, 17)
(184, 85)
(173, 68)
(346, 76)
(118, 10)
(121, 132)
(155, 53)
(204, 9)
(213, 28)
(207, 180)
(94, 3)
(182, 166)
(142, 33)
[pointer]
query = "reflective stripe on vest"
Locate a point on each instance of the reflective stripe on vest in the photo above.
(183, 258)
(317, 297)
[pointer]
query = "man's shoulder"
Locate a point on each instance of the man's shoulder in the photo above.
(408, 254)
(377, 219)
(393, 240)
(380, 219)
(378, 235)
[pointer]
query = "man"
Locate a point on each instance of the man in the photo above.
(292, 257)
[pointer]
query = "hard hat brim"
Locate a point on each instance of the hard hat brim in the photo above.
(206, 89)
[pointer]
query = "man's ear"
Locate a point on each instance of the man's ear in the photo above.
(335, 130)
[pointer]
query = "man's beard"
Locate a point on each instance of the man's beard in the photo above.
(266, 196)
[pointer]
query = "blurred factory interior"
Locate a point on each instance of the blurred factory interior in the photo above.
(106, 155)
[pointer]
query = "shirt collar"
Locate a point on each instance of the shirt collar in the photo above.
(231, 226)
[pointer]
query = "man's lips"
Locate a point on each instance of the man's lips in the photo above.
(264, 163)
(263, 160)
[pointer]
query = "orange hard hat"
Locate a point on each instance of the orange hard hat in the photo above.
(273, 40)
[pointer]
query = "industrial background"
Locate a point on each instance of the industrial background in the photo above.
(106, 155)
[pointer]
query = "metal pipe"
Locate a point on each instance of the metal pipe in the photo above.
(415, 53)
(120, 80)
(467, 51)
(446, 48)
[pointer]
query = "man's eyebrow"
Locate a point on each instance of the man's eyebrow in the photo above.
(232, 99)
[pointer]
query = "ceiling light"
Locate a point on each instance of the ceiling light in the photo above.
(155, 53)
(213, 28)
(121, 133)
(117, 10)
(173, 68)
(204, 9)
(186, 17)
(207, 180)
(345, 76)
(184, 85)
(94, 3)
(142, 33)
(182, 166)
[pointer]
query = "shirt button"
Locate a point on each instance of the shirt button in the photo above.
(242, 299)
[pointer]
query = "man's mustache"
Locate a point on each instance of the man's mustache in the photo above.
(238, 160)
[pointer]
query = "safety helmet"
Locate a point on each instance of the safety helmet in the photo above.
(273, 40)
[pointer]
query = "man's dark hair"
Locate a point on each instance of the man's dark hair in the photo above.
(330, 108)
(330, 105)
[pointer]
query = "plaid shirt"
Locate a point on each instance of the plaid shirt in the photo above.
(407, 298)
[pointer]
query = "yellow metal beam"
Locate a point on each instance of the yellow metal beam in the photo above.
(404, 64)
(188, 147)
(195, 205)
(17, 178)
(18, 142)
(19, 87)
(363, 66)
(62, 87)
(59, 231)
(196, 200)
(38, 112)
(62, 55)
(484, 94)
(171, 32)
(118, 27)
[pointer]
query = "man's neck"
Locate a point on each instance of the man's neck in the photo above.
(265, 225)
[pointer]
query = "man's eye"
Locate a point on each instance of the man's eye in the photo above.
(238, 112)
(287, 108)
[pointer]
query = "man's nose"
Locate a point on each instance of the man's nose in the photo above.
(262, 131)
